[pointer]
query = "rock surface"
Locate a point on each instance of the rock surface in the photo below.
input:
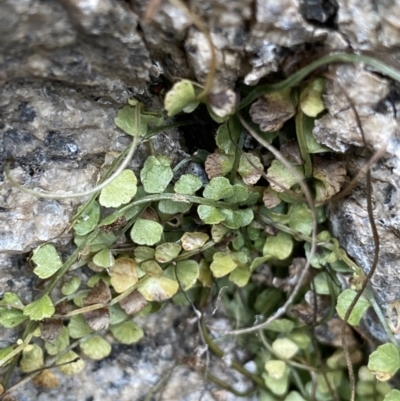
(67, 66)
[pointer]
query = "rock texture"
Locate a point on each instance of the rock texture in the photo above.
(67, 66)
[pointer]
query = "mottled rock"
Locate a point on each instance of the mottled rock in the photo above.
(92, 43)
(376, 101)
(369, 25)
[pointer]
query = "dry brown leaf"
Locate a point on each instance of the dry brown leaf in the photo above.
(330, 334)
(97, 319)
(99, 294)
(123, 274)
(291, 151)
(46, 379)
(332, 174)
(114, 226)
(150, 214)
(271, 198)
(133, 303)
(250, 168)
(223, 103)
(50, 329)
(271, 111)
(305, 313)
(218, 165)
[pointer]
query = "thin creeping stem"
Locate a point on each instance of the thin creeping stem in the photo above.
(374, 264)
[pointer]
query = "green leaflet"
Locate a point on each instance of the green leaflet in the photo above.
(10, 316)
(32, 358)
(240, 194)
(173, 207)
(280, 246)
(210, 214)
(117, 314)
(181, 97)
(47, 260)
(88, 220)
(240, 276)
(156, 174)
(127, 332)
(384, 362)
(300, 218)
(188, 184)
(96, 347)
(143, 253)
(78, 327)
(104, 258)
(40, 309)
(166, 252)
(285, 348)
(222, 264)
(152, 268)
(187, 272)
(70, 363)
(61, 342)
(218, 188)
(280, 177)
(224, 141)
(235, 219)
(120, 191)
(146, 232)
(126, 120)
(158, 288)
(311, 102)
(393, 395)
(276, 376)
(71, 286)
(343, 302)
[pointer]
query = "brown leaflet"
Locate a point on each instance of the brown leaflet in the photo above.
(123, 274)
(330, 333)
(50, 329)
(133, 303)
(97, 319)
(114, 226)
(331, 174)
(150, 214)
(46, 379)
(271, 111)
(99, 294)
(223, 103)
(224, 243)
(306, 313)
(218, 164)
(271, 198)
(291, 151)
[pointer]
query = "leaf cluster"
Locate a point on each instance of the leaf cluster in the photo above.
(158, 236)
